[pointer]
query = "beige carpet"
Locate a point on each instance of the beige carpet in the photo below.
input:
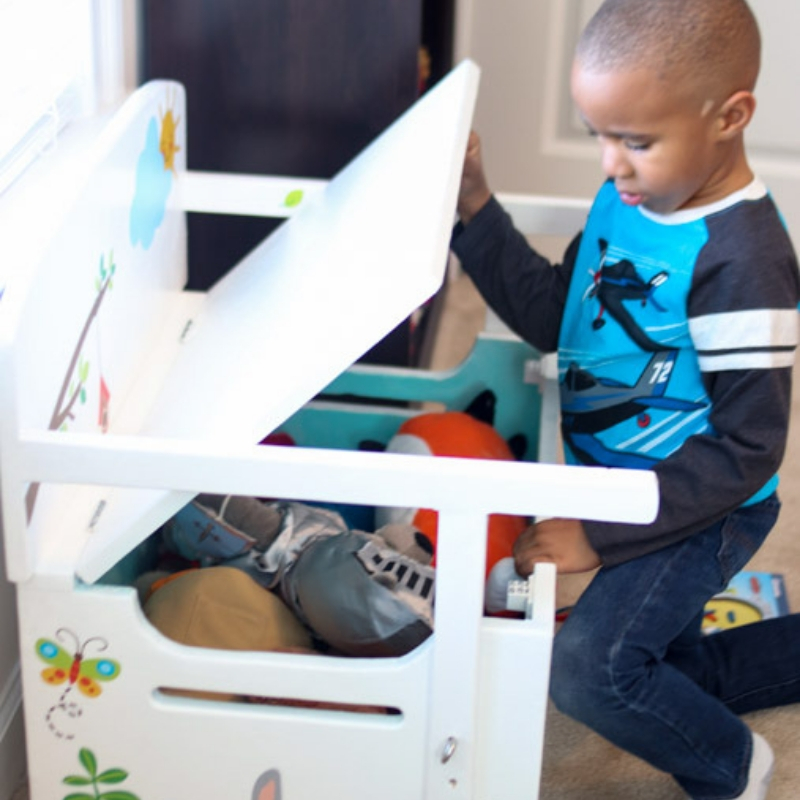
(578, 765)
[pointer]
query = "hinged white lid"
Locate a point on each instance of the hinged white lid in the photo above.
(329, 283)
(355, 260)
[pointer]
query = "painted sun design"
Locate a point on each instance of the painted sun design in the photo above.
(167, 141)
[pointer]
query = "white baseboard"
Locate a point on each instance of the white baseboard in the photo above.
(12, 736)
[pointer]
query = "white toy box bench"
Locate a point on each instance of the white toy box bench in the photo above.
(123, 396)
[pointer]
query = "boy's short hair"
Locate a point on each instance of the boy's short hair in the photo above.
(715, 44)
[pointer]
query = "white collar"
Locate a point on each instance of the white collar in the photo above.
(755, 190)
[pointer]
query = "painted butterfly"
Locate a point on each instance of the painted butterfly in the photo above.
(79, 671)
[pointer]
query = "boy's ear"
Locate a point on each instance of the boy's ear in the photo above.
(735, 114)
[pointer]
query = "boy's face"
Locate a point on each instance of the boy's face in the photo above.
(658, 146)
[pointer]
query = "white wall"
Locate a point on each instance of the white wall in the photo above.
(533, 141)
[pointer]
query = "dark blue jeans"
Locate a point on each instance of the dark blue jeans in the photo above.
(630, 662)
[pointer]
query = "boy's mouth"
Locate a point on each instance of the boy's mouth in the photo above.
(630, 198)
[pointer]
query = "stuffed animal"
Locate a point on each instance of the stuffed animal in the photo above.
(454, 433)
(221, 608)
(361, 594)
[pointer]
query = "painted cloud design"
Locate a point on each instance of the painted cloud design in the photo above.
(153, 184)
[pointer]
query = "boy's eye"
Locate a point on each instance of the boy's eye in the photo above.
(636, 145)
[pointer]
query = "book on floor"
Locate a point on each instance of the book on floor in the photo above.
(749, 597)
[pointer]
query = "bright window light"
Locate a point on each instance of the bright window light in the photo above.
(46, 76)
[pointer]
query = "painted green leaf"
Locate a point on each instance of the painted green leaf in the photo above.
(80, 796)
(97, 284)
(116, 794)
(294, 198)
(86, 757)
(77, 780)
(84, 371)
(113, 775)
(83, 395)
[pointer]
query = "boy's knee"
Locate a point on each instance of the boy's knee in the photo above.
(576, 675)
(592, 676)
(582, 674)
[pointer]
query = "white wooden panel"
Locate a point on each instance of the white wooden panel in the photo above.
(356, 260)
(93, 237)
(247, 195)
(378, 479)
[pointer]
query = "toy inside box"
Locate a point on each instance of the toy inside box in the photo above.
(123, 398)
(361, 579)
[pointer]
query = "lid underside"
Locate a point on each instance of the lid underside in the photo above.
(308, 301)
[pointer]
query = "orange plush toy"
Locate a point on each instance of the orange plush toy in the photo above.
(459, 434)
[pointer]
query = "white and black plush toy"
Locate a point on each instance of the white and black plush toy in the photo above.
(363, 594)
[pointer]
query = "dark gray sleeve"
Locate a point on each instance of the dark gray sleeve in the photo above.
(525, 290)
(711, 474)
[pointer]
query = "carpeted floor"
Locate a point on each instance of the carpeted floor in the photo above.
(578, 765)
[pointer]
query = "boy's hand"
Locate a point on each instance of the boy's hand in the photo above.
(562, 542)
(474, 192)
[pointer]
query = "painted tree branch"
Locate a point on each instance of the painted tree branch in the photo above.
(63, 407)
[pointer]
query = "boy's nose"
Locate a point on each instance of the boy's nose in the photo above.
(613, 160)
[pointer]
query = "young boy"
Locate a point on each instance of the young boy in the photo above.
(675, 318)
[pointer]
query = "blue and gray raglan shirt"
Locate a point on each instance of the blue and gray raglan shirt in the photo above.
(676, 337)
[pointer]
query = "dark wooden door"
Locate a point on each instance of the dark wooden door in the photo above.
(284, 87)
